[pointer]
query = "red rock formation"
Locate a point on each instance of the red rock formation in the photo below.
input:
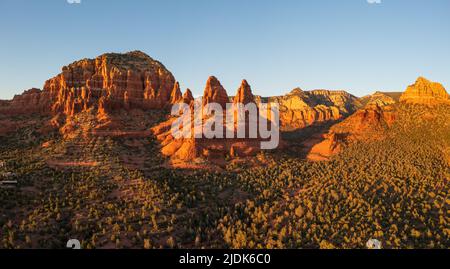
(345, 102)
(187, 97)
(372, 122)
(425, 92)
(30, 101)
(214, 93)
(300, 109)
(119, 81)
(176, 96)
(381, 98)
(369, 123)
(189, 149)
(244, 94)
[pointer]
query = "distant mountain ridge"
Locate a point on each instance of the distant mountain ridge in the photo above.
(381, 98)
(299, 109)
(378, 115)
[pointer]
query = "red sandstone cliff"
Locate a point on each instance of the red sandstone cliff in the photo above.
(379, 114)
(425, 92)
(300, 109)
(111, 81)
(244, 94)
(214, 92)
(190, 149)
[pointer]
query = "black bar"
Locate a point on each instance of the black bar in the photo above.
(172, 258)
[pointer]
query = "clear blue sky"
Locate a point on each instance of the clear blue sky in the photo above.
(275, 45)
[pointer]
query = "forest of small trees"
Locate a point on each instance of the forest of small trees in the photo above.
(395, 190)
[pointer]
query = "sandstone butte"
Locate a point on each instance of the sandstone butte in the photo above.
(425, 92)
(109, 82)
(372, 121)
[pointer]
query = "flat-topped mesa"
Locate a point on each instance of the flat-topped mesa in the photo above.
(130, 80)
(426, 92)
(244, 94)
(214, 93)
(300, 109)
(346, 102)
(330, 93)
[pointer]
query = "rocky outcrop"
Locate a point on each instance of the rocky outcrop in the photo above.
(214, 93)
(378, 115)
(30, 101)
(187, 97)
(369, 123)
(192, 149)
(300, 109)
(176, 95)
(114, 86)
(244, 94)
(131, 80)
(381, 99)
(425, 92)
(109, 82)
(343, 100)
